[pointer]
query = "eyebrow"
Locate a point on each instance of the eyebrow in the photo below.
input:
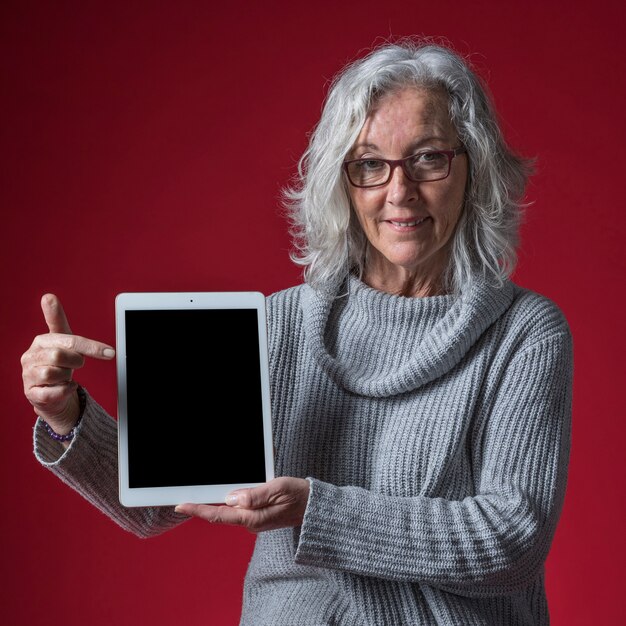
(364, 145)
(414, 145)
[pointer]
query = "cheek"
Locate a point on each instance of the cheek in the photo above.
(452, 205)
(365, 207)
(453, 215)
(448, 221)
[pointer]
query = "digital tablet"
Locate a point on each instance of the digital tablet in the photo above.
(193, 396)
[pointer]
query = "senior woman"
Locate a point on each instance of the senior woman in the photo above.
(421, 400)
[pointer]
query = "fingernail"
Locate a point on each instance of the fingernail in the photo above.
(178, 509)
(232, 498)
(109, 353)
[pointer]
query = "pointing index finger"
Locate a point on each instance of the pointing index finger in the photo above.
(76, 343)
(94, 349)
(55, 315)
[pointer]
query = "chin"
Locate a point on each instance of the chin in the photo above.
(410, 262)
(416, 264)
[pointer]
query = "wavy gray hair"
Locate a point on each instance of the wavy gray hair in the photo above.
(328, 239)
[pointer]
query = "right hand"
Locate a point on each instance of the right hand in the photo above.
(49, 364)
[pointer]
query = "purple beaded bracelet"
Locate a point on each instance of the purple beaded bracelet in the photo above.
(82, 402)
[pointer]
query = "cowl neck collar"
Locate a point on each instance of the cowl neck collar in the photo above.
(376, 344)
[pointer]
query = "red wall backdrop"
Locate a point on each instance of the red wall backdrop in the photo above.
(126, 131)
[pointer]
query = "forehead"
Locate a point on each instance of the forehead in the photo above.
(408, 113)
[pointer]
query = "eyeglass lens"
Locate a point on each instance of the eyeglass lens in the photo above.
(419, 167)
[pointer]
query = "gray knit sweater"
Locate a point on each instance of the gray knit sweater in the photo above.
(435, 433)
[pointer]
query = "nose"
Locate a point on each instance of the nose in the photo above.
(400, 189)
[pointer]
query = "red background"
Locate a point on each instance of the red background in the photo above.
(126, 131)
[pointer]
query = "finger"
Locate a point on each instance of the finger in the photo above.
(258, 497)
(45, 398)
(76, 343)
(214, 514)
(254, 498)
(254, 520)
(50, 375)
(54, 314)
(62, 358)
(58, 357)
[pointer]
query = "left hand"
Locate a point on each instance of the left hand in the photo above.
(279, 503)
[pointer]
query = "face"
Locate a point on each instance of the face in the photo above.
(408, 225)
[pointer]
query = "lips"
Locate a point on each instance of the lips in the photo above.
(404, 223)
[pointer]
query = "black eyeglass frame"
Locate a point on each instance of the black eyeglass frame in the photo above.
(393, 163)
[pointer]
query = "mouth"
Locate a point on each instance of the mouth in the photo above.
(407, 223)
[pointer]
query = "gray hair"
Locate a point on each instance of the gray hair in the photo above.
(328, 239)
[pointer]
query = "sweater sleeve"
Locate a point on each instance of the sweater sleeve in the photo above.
(89, 466)
(492, 543)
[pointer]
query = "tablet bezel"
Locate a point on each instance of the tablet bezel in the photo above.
(133, 301)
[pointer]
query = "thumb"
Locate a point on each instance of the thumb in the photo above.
(55, 315)
(251, 498)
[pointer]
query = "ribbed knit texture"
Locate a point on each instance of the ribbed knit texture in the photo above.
(435, 434)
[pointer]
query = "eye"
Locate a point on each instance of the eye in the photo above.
(430, 158)
(369, 165)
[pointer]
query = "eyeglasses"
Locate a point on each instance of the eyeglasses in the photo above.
(429, 165)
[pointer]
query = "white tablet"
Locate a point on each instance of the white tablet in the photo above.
(193, 396)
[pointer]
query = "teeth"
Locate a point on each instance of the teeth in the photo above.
(407, 224)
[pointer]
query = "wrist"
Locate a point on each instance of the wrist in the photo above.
(63, 428)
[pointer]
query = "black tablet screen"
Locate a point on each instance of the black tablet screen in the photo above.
(194, 398)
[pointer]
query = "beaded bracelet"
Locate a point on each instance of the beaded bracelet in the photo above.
(82, 402)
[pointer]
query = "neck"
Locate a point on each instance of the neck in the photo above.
(418, 282)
